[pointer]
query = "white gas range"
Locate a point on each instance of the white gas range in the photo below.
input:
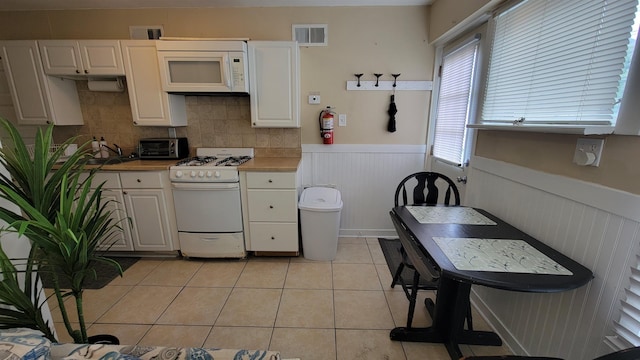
(211, 165)
(206, 193)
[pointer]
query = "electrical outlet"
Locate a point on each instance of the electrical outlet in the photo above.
(593, 146)
(342, 120)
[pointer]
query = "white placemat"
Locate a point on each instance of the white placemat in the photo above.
(448, 215)
(499, 255)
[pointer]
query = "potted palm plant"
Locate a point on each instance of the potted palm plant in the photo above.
(64, 219)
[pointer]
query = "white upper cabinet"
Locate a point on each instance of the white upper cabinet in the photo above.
(274, 84)
(82, 57)
(38, 99)
(150, 105)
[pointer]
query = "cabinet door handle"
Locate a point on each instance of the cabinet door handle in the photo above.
(273, 238)
(86, 71)
(138, 180)
(77, 71)
(270, 181)
(270, 206)
(124, 193)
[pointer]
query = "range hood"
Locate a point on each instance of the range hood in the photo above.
(107, 84)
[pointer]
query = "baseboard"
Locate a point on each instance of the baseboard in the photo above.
(496, 325)
(384, 233)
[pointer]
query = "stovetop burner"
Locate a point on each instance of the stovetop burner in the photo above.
(213, 161)
(197, 161)
(233, 161)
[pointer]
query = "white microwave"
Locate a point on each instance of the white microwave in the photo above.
(203, 66)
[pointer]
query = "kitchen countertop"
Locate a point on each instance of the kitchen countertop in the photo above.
(256, 164)
(283, 164)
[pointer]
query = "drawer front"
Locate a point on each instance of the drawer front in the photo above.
(144, 179)
(212, 245)
(272, 205)
(111, 179)
(274, 237)
(271, 180)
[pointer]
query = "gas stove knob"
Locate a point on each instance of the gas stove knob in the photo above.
(209, 174)
(179, 174)
(193, 174)
(217, 174)
(201, 174)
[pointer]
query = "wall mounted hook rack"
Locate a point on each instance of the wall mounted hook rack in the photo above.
(401, 85)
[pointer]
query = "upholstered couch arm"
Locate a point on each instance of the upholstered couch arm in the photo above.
(99, 351)
(32, 345)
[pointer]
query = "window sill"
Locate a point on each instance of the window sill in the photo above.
(546, 128)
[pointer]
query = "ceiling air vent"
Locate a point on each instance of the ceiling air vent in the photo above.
(310, 34)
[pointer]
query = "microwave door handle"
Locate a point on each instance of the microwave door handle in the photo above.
(226, 70)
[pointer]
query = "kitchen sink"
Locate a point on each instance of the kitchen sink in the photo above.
(109, 161)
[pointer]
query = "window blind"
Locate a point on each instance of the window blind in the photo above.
(557, 62)
(628, 328)
(454, 101)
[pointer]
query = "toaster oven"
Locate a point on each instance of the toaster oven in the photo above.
(163, 148)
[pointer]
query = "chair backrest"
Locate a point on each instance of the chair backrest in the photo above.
(426, 267)
(427, 189)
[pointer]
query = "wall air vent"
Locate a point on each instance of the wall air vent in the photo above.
(153, 32)
(310, 34)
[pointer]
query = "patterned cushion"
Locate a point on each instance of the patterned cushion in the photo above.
(128, 352)
(23, 343)
(30, 344)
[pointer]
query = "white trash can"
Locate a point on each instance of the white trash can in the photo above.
(320, 222)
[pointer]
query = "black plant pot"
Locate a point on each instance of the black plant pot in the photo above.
(105, 339)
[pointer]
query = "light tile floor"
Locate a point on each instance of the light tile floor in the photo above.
(341, 309)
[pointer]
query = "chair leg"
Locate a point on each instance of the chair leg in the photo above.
(469, 320)
(412, 298)
(396, 276)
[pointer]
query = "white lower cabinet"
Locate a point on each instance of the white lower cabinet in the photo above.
(144, 209)
(274, 236)
(112, 194)
(148, 200)
(271, 211)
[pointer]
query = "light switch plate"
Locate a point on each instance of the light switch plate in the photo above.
(342, 119)
(592, 146)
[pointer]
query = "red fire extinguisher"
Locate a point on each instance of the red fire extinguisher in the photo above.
(326, 125)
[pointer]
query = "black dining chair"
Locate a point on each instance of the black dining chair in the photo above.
(425, 188)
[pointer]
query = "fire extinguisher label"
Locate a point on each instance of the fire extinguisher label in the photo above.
(327, 123)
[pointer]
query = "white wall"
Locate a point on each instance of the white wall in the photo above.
(366, 176)
(597, 226)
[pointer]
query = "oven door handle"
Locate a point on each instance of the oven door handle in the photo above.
(205, 186)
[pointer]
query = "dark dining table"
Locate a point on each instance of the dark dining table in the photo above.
(475, 249)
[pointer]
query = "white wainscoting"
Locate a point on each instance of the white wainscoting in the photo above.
(366, 176)
(594, 225)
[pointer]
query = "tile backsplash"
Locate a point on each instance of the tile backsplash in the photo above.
(212, 121)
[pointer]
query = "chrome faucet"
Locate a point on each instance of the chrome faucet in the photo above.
(117, 149)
